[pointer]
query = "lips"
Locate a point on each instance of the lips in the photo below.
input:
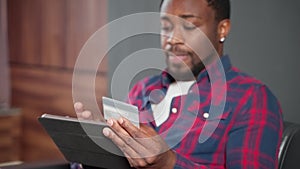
(178, 57)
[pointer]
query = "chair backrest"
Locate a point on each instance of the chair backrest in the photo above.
(289, 153)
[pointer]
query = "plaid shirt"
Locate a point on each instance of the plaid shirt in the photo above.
(246, 134)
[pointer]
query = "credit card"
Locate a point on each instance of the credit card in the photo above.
(115, 109)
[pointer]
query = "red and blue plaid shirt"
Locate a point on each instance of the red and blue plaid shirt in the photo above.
(246, 134)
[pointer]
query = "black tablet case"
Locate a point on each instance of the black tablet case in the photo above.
(77, 146)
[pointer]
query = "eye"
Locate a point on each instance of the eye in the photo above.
(166, 26)
(189, 26)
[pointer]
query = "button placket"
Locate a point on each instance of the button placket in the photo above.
(174, 110)
(206, 115)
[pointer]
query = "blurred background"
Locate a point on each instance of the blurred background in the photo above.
(41, 39)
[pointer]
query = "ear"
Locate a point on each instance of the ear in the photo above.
(223, 29)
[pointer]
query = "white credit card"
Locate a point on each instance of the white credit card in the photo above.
(116, 109)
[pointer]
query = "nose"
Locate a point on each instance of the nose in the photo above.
(175, 37)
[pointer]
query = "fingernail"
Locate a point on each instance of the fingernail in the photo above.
(86, 114)
(110, 122)
(78, 105)
(106, 132)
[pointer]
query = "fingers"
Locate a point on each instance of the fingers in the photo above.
(131, 129)
(131, 162)
(81, 113)
(141, 143)
(78, 106)
(125, 148)
(126, 140)
(134, 158)
(139, 147)
(87, 115)
(146, 136)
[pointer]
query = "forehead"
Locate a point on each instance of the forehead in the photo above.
(197, 8)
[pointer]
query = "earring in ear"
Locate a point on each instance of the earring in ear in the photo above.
(222, 40)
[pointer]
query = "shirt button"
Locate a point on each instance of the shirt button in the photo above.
(205, 115)
(174, 110)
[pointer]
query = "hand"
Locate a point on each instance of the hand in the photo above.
(81, 113)
(143, 147)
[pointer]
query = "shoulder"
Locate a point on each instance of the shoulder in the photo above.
(237, 78)
(242, 86)
(247, 90)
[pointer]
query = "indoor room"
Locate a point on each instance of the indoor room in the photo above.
(56, 53)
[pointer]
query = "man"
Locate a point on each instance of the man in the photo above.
(186, 133)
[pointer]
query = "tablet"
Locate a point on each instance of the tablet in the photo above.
(83, 142)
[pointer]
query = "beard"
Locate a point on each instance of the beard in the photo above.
(183, 72)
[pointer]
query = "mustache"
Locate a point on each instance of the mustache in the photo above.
(177, 50)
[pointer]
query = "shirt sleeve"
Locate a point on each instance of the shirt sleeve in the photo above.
(254, 139)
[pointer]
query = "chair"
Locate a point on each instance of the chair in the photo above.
(289, 151)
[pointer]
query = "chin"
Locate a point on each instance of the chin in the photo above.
(181, 74)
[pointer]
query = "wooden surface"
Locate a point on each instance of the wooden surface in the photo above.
(52, 32)
(10, 134)
(45, 38)
(4, 69)
(37, 91)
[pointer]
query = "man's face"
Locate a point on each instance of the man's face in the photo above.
(186, 34)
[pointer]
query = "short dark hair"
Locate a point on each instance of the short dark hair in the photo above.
(221, 7)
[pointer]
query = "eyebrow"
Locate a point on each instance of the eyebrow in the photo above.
(184, 16)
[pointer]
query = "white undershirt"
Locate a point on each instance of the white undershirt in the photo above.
(161, 111)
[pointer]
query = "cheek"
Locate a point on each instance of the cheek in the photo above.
(200, 44)
(163, 41)
(195, 42)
